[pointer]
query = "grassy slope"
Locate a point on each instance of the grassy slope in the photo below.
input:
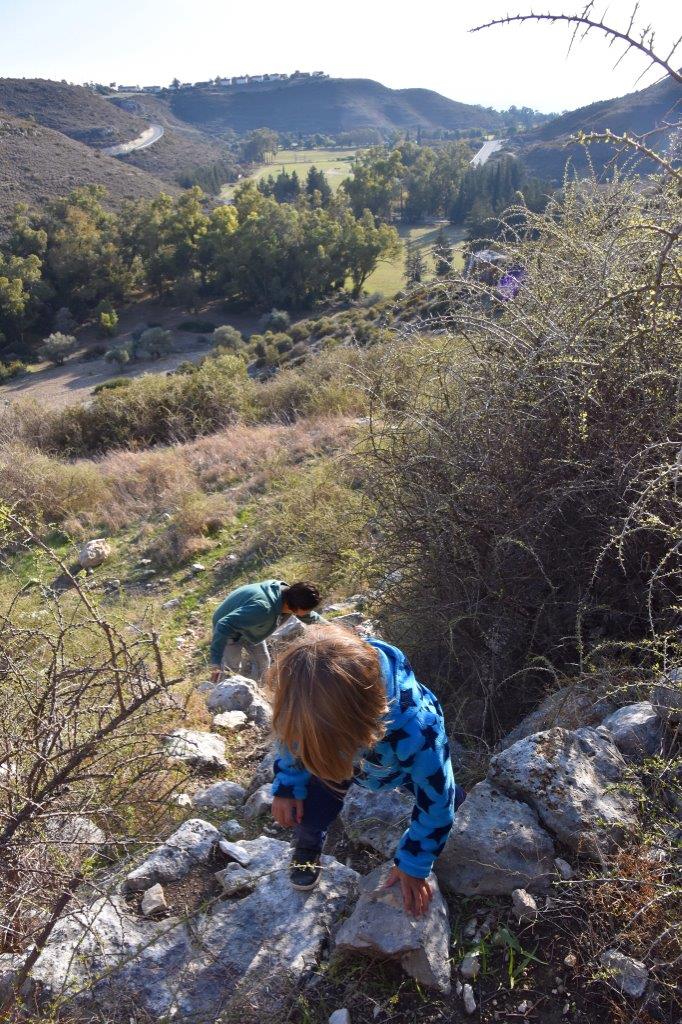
(389, 278)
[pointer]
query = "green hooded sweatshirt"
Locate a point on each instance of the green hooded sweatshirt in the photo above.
(250, 613)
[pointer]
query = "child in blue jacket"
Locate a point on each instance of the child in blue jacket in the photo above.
(350, 711)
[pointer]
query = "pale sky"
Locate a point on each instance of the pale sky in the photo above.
(401, 44)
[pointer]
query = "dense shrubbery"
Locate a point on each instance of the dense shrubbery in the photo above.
(154, 410)
(525, 479)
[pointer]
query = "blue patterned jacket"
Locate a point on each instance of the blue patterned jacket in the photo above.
(414, 754)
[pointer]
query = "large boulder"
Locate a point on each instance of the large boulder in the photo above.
(241, 955)
(377, 820)
(379, 925)
(93, 553)
(497, 844)
(666, 697)
(568, 708)
(572, 780)
(202, 750)
(637, 730)
(191, 845)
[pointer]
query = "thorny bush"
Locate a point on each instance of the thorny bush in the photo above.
(526, 481)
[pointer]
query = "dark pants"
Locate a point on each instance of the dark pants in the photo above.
(322, 806)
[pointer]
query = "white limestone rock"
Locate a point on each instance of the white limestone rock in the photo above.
(190, 845)
(259, 802)
(637, 730)
(525, 907)
(231, 721)
(240, 956)
(220, 796)
(202, 750)
(379, 925)
(154, 901)
(497, 844)
(93, 553)
(572, 780)
(628, 975)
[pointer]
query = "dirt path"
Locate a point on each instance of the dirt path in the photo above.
(56, 387)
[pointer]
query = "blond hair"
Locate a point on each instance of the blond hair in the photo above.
(329, 699)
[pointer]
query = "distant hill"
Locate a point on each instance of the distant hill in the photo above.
(51, 135)
(547, 148)
(81, 114)
(328, 106)
(37, 163)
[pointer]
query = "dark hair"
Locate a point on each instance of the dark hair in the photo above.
(303, 596)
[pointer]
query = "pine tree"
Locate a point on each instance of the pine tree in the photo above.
(442, 254)
(415, 268)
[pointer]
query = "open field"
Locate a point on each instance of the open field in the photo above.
(389, 278)
(335, 163)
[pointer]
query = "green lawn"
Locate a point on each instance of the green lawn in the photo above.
(389, 278)
(335, 163)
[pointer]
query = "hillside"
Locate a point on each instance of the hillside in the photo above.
(328, 105)
(547, 148)
(37, 163)
(76, 112)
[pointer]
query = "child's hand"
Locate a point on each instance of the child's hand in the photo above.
(416, 891)
(287, 813)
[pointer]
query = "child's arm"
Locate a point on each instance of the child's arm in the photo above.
(433, 783)
(290, 777)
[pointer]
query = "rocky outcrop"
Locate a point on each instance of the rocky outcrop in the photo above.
(94, 553)
(568, 708)
(190, 846)
(379, 925)
(240, 954)
(497, 845)
(572, 780)
(377, 820)
(637, 730)
(202, 750)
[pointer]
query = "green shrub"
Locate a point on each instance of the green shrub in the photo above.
(120, 356)
(10, 370)
(111, 385)
(228, 337)
(154, 343)
(57, 347)
(300, 331)
(275, 320)
(97, 351)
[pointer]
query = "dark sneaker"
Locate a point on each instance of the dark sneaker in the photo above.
(304, 870)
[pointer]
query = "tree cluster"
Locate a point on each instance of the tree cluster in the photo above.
(74, 259)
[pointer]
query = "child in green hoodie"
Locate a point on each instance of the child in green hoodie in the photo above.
(250, 614)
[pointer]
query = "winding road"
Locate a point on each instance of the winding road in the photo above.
(486, 151)
(148, 137)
